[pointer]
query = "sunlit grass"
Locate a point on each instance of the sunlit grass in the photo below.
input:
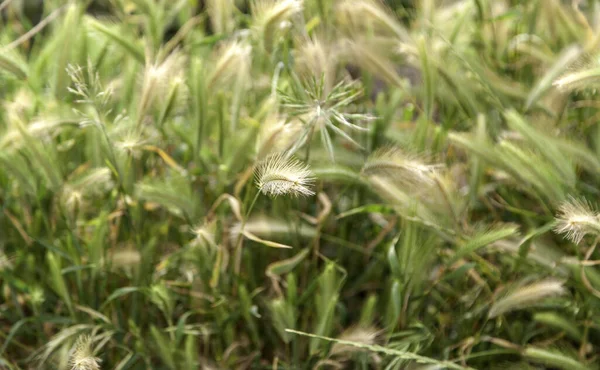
(297, 184)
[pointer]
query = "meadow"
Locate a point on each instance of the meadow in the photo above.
(299, 184)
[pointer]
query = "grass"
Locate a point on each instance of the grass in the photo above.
(299, 184)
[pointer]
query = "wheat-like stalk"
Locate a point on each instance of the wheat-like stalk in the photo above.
(269, 15)
(232, 63)
(83, 356)
(582, 74)
(221, 15)
(398, 164)
(526, 296)
(359, 334)
(278, 175)
(576, 219)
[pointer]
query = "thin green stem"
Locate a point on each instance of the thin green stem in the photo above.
(240, 238)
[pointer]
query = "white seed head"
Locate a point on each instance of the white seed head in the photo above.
(221, 15)
(576, 219)
(278, 175)
(398, 164)
(125, 258)
(276, 135)
(355, 15)
(363, 335)
(157, 80)
(316, 57)
(581, 74)
(273, 12)
(527, 296)
(205, 235)
(232, 63)
(269, 15)
(83, 356)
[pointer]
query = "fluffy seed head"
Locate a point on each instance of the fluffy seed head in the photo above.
(276, 135)
(83, 356)
(369, 14)
(205, 235)
(583, 73)
(157, 80)
(278, 175)
(527, 296)
(317, 57)
(576, 219)
(84, 187)
(269, 15)
(397, 164)
(362, 335)
(125, 258)
(232, 63)
(221, 15)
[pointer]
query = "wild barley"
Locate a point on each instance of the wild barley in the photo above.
(131, 142)
(375, 56)
(94, 182)
(278, 175)
(125, 258)
(583, 74)
(42, 128)
(21, 104)
(205, 235)
(273, 228)
(232, 64)
(576, 219)
(403, 166)
(83, 355)
(527, 296)
(221, 15)
(157, 81)
(276, 135)
(369, 14)
(316, 57)
(363, 335)
(268, 15)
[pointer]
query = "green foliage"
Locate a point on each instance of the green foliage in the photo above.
(299, 184)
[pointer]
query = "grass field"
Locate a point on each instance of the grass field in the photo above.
(299, 184)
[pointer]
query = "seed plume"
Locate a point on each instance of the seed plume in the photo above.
(576, 219)
(278, 175)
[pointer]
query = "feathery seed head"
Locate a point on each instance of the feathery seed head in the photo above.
(78, 190)
(83, 356)
(316, 57)
(362, 335)
(527, 296)
(42, 129)
(276, 135)
(396, 163)
(22, 103)
(221, 15)
(232, 63)
(132, 143)
(278, 175)
(205, 235)
(268, 16)
(576, 219)
(157, 80)
(582, 74)
(125, 258)
(375, 55)
(131, 140)
(357, 15)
